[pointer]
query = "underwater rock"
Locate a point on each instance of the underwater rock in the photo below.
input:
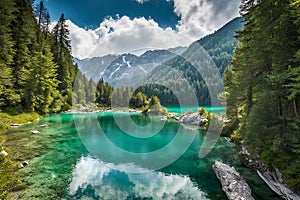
(35, 131)
(43, 125)
(24, 164)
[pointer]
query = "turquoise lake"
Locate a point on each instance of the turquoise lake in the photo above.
(71, 159)
(176, 109)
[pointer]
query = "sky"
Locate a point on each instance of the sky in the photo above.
(101, 27)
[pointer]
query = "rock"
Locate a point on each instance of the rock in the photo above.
(15, 125)
(228, 139)
(234, 186)
(4, 153)
(226, 121)
(271, 176)
(193, 119)
(25, 163)
(275, 182)
(35, 132)
(164, 118)
(43, 125)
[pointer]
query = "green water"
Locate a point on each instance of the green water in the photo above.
(217, 110)
(69, 160)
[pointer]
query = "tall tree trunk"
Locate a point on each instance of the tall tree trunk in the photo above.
(250, 101)
(280, 115)
(295, 108)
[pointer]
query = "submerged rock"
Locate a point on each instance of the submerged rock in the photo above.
(24, 164)
(234, 186)
(193, 119)
(43, 125)
(35, 131)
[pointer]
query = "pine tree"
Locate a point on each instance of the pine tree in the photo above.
(43, 19)
(62, 56)
(7, 94)
(263, 85)
(90, 91)
(24, 36)
(42, 83)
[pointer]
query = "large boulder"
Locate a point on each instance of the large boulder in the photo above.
(234, 186)
(193, 119)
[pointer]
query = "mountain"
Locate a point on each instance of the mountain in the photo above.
(198, 66)
(92, 67)
(220, 45)
(173, 68)
(125, 69)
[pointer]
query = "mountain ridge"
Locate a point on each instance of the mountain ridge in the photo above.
(115, 68)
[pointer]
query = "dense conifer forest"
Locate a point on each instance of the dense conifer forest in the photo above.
(263, 85)
(37, 70)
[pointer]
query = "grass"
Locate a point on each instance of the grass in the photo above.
(13, 117)
(8, 168)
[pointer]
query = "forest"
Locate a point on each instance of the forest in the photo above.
(260, 66)
(263, 86)
(36, 67)
(218, 46)
(102, 95)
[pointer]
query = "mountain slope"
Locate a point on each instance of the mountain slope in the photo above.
(125, 69)
(218, 49)
(220, 45)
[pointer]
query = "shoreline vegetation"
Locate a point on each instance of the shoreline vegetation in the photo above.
(8, 167)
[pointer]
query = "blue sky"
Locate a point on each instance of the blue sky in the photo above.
(101, 27)
(89, 13)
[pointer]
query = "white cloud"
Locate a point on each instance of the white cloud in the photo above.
(83, 41)
(203, 17)
(90, 172)
(122, 35)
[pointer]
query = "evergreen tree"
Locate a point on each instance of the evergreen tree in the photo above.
(90, 91)
(263, 85)
(103, 94)
(7, 94)
(66, 68)
(25, 41)
(42, 83)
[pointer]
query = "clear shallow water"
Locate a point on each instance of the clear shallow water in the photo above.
(62, 167)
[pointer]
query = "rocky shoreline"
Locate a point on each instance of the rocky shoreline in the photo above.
(272, 177)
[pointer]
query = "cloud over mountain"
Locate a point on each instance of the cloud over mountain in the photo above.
(122, 34)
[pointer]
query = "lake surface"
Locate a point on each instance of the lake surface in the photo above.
(69, 160)
(217, 110)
